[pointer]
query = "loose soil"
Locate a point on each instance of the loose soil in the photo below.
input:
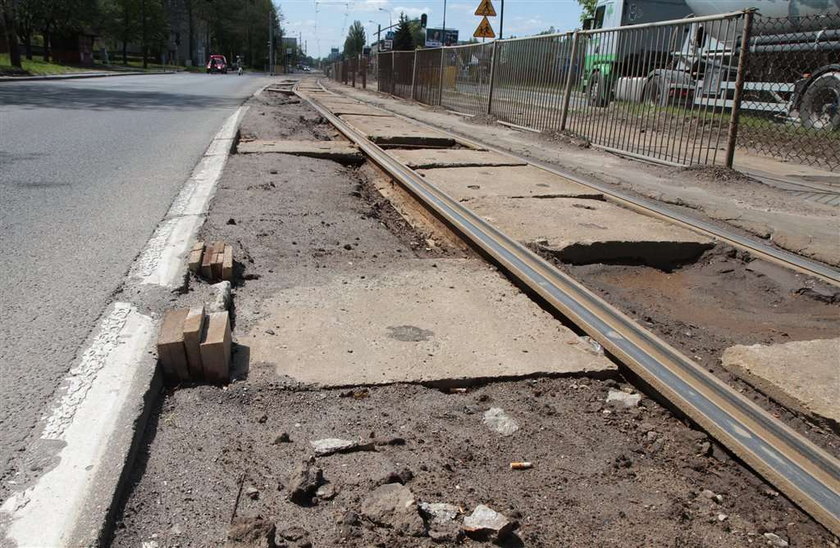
(602, 475)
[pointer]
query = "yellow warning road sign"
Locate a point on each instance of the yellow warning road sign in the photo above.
(486, 9)
(484, 29)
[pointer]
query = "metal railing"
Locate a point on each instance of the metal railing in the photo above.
(682, 92)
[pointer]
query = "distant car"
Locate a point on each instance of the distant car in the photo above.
(217, 63)
(307, 69)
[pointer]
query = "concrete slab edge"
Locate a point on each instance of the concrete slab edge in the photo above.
(94, 428)
(79, 76)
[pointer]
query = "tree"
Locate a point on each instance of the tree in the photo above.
(588, 7)
(355, 41)
(418, 33)
(403, 37)
(8, 18)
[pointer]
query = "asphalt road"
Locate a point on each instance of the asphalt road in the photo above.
(87, 170)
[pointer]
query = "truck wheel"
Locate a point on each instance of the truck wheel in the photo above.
(598, 94)
(820, 107)
(655, 94)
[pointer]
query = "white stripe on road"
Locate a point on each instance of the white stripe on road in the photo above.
(161, 261)
(102, 396)
(86, 419)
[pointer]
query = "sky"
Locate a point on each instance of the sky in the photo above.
(322, 24)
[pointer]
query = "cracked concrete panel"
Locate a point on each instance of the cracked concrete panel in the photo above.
(803, 375)
(591, 231)
(454, 321)
(453, 157)
(330, 150)
(462, 183)
(389, 130)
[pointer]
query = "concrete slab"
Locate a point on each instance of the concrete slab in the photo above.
(415, 325)
(355, 109)
(591, 231)
(803, 375)
(453, 157)
(389, 130)
(464, 183)
(330, 150)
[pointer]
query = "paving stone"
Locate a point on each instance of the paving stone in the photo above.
(452, 158)
(227, 264)
(170, 345)
(368, 343)
(389, 130)
(193, 328)
(803, 375)
(464, 183)
(340, 151)
(194, 258)
(591, 231)
(216, 347)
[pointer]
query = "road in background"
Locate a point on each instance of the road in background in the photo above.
(87, 169)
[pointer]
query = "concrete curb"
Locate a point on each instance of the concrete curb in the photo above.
(94, 430)
(81, 75)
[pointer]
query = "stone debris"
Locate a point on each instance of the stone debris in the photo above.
(326, 492)
(441, 521)
(393, 505)
(304, 483)
(711, 495)
(487, 524)
(617, 397)
(330, 446)
(775, 540)
(193, 346)
(252, 493)
(212, 262)
(496, 419)
(221, 297)
(394, 475)
(251, 532)
(283, 437)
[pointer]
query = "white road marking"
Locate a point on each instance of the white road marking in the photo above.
(102, 394)
(84, 422)
(161, 261)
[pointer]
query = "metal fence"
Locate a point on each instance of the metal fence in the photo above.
(681, 92)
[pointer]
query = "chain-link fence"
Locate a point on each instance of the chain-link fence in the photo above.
(685, 92)
(791, 105)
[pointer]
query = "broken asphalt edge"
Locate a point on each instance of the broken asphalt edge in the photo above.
(81, 75)
(98, 420)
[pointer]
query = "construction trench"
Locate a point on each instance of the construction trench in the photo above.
(388, 382)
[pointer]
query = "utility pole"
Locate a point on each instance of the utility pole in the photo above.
(502, 21)
(443, 38)
(271, 42)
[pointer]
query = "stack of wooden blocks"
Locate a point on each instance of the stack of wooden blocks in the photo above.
(194, 346)
(213, 262)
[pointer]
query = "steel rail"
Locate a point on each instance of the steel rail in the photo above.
(761, 250)
(806, 474)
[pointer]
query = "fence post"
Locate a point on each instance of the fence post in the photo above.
(354, 64)
(492, 77)
(567, 90)
(739, 88)
(364, 72)
(440, 80)
(393, 73)
(413, 74)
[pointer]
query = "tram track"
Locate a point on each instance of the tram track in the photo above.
(806, 474)
(762, 250)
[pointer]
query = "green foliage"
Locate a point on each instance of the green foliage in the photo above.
(356, 39)
(403, 36)
(418, 33)
(588, 7)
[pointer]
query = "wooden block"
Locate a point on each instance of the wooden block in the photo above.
(206, 264)
(171, 351)
(215, 348)
(194, 259)
(218, 257)
(193, 328)
(227, 264)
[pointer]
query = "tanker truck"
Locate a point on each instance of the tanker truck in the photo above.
(794, 57)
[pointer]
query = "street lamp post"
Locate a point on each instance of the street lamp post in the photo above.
(390, 22)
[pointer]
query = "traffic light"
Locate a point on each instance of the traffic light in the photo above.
(423, 19)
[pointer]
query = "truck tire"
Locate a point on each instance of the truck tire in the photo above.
(820, 106)
(655, 94)
(597, 93)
